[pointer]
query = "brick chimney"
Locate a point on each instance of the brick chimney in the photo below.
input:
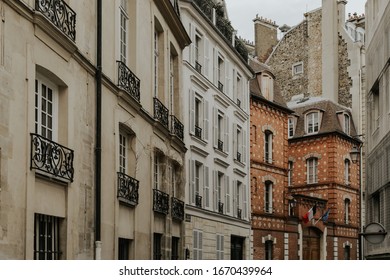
(266, 38)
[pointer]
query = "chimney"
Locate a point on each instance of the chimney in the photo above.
(341, 12)
(266, 37)
(330, 42)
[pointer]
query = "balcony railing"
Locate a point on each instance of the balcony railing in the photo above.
(51, 158)
(60, 14)
(160, 202)
(239, 213)
(128, 81)
(220, 207)
(177, 209)
(161, 113)
(220, 86)
(239, 156)
(177, 128)
(128, 189)
(198, 201)
(198, 132)
(220, 145)
(198, 67)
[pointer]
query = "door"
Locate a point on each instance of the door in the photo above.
(311, 244)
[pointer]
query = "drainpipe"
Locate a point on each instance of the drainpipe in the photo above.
(98, 149)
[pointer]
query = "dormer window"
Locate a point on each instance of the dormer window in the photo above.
(267, 86)
(312, 122)
(347, 124)
(291, 128)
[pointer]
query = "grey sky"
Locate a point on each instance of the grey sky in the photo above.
(242, 12)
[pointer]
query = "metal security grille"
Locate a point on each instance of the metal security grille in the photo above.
(46, 237)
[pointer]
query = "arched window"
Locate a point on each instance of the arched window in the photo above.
(268, 146)
(347, 211)
(312, 170)
(347, 171)
(268, 190)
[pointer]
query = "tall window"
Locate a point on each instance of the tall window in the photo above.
(268, 146)
(199, 116)
(290, 128)
(198, 197)
(220, 73)
(46, 237)
(124, 249)
(267, 87)
(312, 122)
(347, 252)
(157, 251)
(175, 248)
(220, 132)
(198, 52)
(269, 249)
(238, 145)
(122, 153)
(123, 31)
(157, 170)
(312, 170)
(197, 245)
(220, 247)
(347, 124)
(347, 171)
(290, 173)
(268, 197)
(46, 108)
(347, 211)
(239, 91)
(156, 62)
(219, 202)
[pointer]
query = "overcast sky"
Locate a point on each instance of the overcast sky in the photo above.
(242, 12)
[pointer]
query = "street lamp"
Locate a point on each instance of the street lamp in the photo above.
(354, 154)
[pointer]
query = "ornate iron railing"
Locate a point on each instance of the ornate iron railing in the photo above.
(220, 86)
(220, 145)
(177, 128)
(198, 67)
(51, 158)
(198, 201)
(206, 6)
(161, 113)
(220, 207)
(60, 14)
(160, 202)
(128, 81)
(128, 189)
(239, 156)
(239, 213)
(177, 209)
(198, 132)
(224, 26)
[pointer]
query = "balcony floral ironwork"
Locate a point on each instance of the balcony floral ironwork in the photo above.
(51, 158)
(239, 213)
(220, 145)
(198, 132)
(177, 128)
(198, 67)
(220, 86)
(160, 202)
(128, 81)
(220, 207)
(177, 209)
(127, 189)
(60, 14)
(239, 156)
(161, 113)
(198, 201)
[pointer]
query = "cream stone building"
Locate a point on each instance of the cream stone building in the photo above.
(216, 119)
(91, 130)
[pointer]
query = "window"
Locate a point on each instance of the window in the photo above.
(220, 73)
(268, 197)
(347, 124)
(347, 252)
(221, 131)
(376, 215)
(157, 252)
(158, 60)
(347, 211)
(199, 184)
(312, 122)
(267, 87)
(269, 249)
(173, 173)
(297, 68)
(199, 117)
(124, 249)
(46, 237)
(290, 173)
(173, 81)
(218, 196)
(312, 170)
(122, 153)
(198, 197)
(197, 245)
(239, 91)
(123, 31)
(239, 143)
(347, 171)
(46, 108)
(268, 146)
(175, 248)
(198, 52)
(239, 199)
(220, 247)
(157, 172)
(291, 128)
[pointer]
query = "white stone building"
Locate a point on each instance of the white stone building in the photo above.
(216, 106)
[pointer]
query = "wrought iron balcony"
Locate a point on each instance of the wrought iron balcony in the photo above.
(220, 207)
(177, 209)
(161, 113)
(160, 202)
(239, 156)
(239, 213)
(198, 67)
(60, 14)
(198, 132)
(220, 145)
(128, 81)
(128, 189)
(177, 128)
(220, 86)
(206, 6)
(198, 201)
(51, 158)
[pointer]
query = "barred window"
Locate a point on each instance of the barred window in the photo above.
(46, 237)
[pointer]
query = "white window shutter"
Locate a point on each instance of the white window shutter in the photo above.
(226, 141)
(215, 65)
(235, 203)
(206, 192)
(200, 245)
(245, 204)
(206, 120)
(235, 86)
(243, 149)
(192, 181)
(195, 245)
(206, 57)
(192, 112)
(235, 150)
(228, 79)
(228, 198)
(215, 179)
(215, 113)
(192, 46)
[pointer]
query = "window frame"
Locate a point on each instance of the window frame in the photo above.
(268, 196)
(295, 68)
(312, 170)
(268, 249)
(268, 146)
(312, 121)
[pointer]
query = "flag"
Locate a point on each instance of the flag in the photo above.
(325, 216)
(309, 215)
